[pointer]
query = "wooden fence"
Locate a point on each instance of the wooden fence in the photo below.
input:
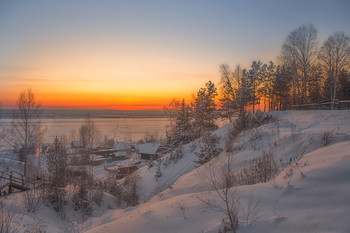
(338, 105)
(14, 180)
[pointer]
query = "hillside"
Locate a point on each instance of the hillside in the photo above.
(311, 150)
(308, 195)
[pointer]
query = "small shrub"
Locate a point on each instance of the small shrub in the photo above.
(6, 218)
(158, 171)
(32, 202)
(244, 122)
(327, 137)
(209, 149)
(260, 170)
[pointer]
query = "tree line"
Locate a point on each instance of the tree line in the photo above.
(305, 73)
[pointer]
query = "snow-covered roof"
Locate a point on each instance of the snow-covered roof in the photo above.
(122, 146)
(77, 144)
(148, 148)
(120, 153)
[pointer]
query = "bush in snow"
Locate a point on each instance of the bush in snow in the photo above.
(326, 137)
(113, 187)
(226, 200)
(6, 220)
(174, 156)
(158, 171)
(131, 190)
(244, 122)
(81, 200)
(208, 148)
(32, 201)
(260, 170)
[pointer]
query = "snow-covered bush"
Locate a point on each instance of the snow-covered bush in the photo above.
(208, 148)
(244, 122)
(32, 201)
(131, 190)
(6, 220)
(174, 156)
(327, 137)
(260, 170)
(158, 171)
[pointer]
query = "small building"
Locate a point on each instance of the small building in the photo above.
(96, 160)
(120, 155)
(125, 171)
(148, 151)
(105, 153)
(77, 145)
(121, 172)
(123, 147)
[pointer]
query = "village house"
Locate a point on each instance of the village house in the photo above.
(120, 155)
(148, 151)
(77, 145)
(123, 147)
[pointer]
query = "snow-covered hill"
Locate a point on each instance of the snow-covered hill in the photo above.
(310, 194)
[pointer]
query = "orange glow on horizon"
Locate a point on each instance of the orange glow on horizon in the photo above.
(58, 99)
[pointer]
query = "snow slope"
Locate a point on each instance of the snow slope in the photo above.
(309, 195)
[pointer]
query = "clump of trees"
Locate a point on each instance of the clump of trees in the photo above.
(305, 74)
(191, 121)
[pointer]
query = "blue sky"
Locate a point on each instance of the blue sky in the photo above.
(156, 48)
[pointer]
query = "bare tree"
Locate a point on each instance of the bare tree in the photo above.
(299, 51)
(335, 56)
(228, 200)
(89, 133)
(228, 100)
(90, 137)
(26, 128)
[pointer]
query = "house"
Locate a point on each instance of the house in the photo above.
(121, 172)
(125, 171)
(148, 151)
(96, 160)
(120, 155)
(105, 153)
(123, 147)
(77, 145)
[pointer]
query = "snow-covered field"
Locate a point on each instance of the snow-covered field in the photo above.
(309, 194)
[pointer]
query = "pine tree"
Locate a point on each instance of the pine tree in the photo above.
(181, 130)
(57, 162)
(204, 110)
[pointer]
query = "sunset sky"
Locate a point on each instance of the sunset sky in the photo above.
(140, 54)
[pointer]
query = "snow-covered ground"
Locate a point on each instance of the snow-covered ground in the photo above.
(310, 193)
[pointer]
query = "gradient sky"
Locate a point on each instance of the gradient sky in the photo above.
(140, 54)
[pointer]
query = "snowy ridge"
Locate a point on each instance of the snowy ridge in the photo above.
(309, 195)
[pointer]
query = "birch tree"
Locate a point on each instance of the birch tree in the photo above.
(299, 51)
(335, 56)
(26, 133)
